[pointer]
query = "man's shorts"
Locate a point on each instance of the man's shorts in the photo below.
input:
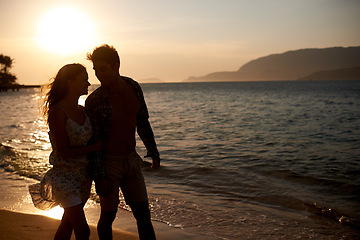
(123, 172)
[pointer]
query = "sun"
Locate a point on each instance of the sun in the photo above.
(65, 30)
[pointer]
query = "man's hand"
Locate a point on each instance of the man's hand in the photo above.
(102, 186)
(156, 163)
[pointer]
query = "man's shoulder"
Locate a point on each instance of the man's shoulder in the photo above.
(95, 94)
(133, 83)
(130, 80)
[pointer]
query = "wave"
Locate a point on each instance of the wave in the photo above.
(333, 214)
(330, 183)
(21, 163)
(312, 208)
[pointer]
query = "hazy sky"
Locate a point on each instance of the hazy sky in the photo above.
(168, 39)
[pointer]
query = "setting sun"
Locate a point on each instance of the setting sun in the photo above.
(65, 31)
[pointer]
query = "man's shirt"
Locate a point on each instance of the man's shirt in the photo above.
(99, 110)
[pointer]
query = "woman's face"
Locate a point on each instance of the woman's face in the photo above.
(80, 84)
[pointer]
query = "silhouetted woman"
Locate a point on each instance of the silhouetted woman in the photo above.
(67, 183)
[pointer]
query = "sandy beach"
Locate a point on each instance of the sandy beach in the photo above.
(19, 219)
(16, 226)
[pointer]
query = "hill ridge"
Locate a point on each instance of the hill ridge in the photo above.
(290, 65)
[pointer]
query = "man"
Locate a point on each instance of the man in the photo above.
(117, 109)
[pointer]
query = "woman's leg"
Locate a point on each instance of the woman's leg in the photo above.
(76, 217)
(64, 230)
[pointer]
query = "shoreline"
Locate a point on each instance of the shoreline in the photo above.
(18, 216)
(15, 225)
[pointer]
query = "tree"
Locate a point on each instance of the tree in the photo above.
(6, 78)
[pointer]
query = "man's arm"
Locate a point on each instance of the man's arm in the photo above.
(147, 136)
(143, 126)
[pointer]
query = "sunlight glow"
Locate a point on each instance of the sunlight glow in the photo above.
(66, 31)
(82, 100)
(55, 212)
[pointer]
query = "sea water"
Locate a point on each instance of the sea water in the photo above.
(240, 160)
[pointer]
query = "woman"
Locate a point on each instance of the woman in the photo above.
(67, 183)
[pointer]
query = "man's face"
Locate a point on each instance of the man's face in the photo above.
(105, 72)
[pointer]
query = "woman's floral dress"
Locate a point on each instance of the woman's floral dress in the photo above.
(67, 176)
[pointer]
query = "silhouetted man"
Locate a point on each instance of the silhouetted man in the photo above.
(117, 109)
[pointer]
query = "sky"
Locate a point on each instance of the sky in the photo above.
(169, 40)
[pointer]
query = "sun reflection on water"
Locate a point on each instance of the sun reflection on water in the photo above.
(55, 212)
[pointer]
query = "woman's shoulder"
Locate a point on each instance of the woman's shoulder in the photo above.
(57, 113)
(57, 110)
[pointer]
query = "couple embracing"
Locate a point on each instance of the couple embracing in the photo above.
(96, 143)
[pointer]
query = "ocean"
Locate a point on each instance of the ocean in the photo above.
(240, 160)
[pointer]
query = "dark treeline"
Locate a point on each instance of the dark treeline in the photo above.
(6, 78)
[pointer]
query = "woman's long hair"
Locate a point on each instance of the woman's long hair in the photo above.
(58, 88)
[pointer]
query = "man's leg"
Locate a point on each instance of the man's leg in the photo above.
(135, 194)
(141, 213)
(104, 227)
(110, 201)
(109, 205)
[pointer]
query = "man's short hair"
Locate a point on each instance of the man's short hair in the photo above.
(104, 53)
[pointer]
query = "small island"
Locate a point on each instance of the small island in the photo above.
(7, 79)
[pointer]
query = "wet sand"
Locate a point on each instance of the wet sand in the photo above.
(19, 219)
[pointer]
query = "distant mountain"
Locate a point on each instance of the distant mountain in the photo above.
(338, 74)
(150, 80)
(290, 65)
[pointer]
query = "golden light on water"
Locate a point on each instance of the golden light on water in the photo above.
(65, 30)
(55, 212)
